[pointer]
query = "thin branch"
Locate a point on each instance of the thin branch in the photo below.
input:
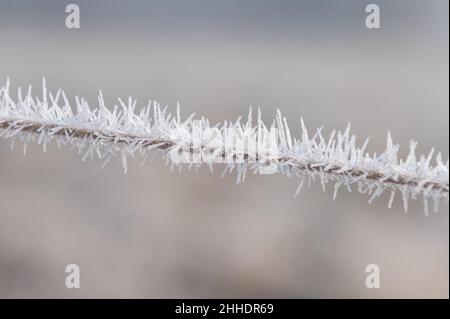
(123, 132)
(115, 137)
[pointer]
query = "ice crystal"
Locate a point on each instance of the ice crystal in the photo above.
(123, 132)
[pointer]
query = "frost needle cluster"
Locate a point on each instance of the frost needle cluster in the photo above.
(124, 131)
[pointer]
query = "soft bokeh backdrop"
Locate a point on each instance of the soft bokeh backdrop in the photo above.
(154, 233)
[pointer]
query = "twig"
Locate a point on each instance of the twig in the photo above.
(124, 132)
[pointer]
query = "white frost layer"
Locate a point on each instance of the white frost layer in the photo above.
(122, 132)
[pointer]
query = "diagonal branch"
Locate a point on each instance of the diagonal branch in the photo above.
(123, 131)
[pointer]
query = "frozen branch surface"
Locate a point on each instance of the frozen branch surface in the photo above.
(123, 132)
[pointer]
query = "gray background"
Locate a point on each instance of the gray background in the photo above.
(155, 233)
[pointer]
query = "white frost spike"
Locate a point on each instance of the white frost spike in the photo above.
(123, 132)
(391, 199)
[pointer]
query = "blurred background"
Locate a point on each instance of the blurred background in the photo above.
(153, 233)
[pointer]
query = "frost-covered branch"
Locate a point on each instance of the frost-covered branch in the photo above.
(123, 132)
